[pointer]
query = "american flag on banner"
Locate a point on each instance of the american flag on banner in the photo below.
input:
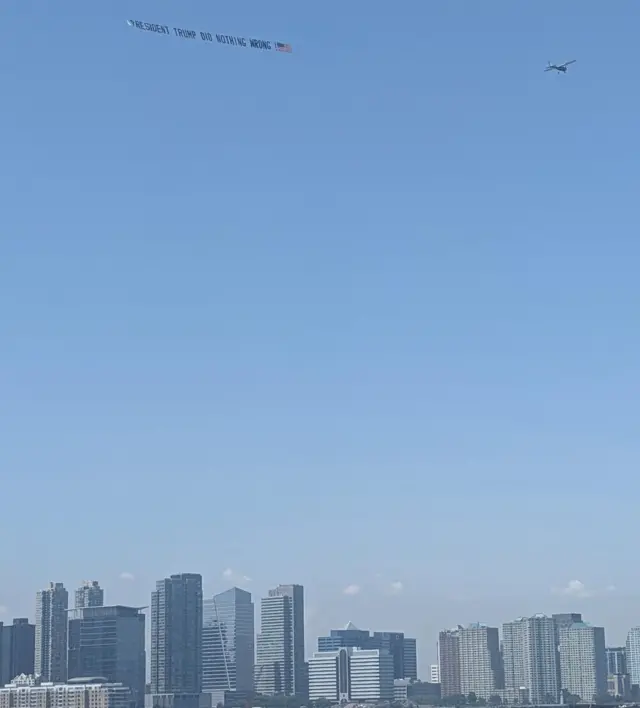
(281, 47)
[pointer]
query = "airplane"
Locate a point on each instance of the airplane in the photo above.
(560, 67)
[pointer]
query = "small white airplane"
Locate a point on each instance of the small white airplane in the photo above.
(561, 68)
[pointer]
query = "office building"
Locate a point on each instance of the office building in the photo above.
(402, 649)
(329, 675)
(228, 642)
(89, 594)
(530, 661)
(109, 642)
(350, 636)
(616, 660)
(449, 662)
(410, 659)
(371, 675)
(583, 661)
(32, 692)
(51, 633)
(280, 664)
(17, 649)
(480, 662)
(176, 641)
(434, 673)
(633, 655)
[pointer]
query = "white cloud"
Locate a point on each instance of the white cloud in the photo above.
(396, 587)
(3, 609)
(126, 576)
(575, 588)
(351, 590)
(234, 577)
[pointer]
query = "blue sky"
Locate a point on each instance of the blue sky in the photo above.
(362, 314)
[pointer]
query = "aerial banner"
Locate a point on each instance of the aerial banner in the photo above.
(263, 44)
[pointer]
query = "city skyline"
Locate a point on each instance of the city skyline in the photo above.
(127, 590)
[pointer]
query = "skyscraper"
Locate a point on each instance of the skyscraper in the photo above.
(480, 664)
(410, 659)
(633, 655)
(17, 649)
(530, 661)
(176, 640)
(449, 662)
(228, 642)
(89, 594)
(109, 642)
(51, 633)
(280, 666)
(583, 662)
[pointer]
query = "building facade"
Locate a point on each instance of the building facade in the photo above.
(176, 640)
(50, 661)
(31, 692)
(616, 660)
(109, 642)
(583, 661)
(89, 594)
(371, 675)
(402, 649)
(17, 649)
(410, 659)
(480, 661)
(449, 662)
(530, 660)
(329, 675)
(228, 642)
(633, 655)
(280, 664)
(434, 673)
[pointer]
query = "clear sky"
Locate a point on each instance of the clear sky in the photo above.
(362, 314)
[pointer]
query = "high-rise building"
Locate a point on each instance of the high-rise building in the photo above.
(17, 649)
(109, 642)
(562, 621)
(449, 662)
(583, 661)
(371, 675)
(633, 655)
(32, 692)
(228, 642)
(51, 633)
(176, 640)
(530, 662)
(350, 636)
(480, 662)
(402, 649)
(280, 665)
(410, 659)
(434, 673)
(616, 660)
(89, 594)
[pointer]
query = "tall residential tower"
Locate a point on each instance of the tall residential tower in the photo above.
(530, 660)
(89, 594)
(51, 633)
